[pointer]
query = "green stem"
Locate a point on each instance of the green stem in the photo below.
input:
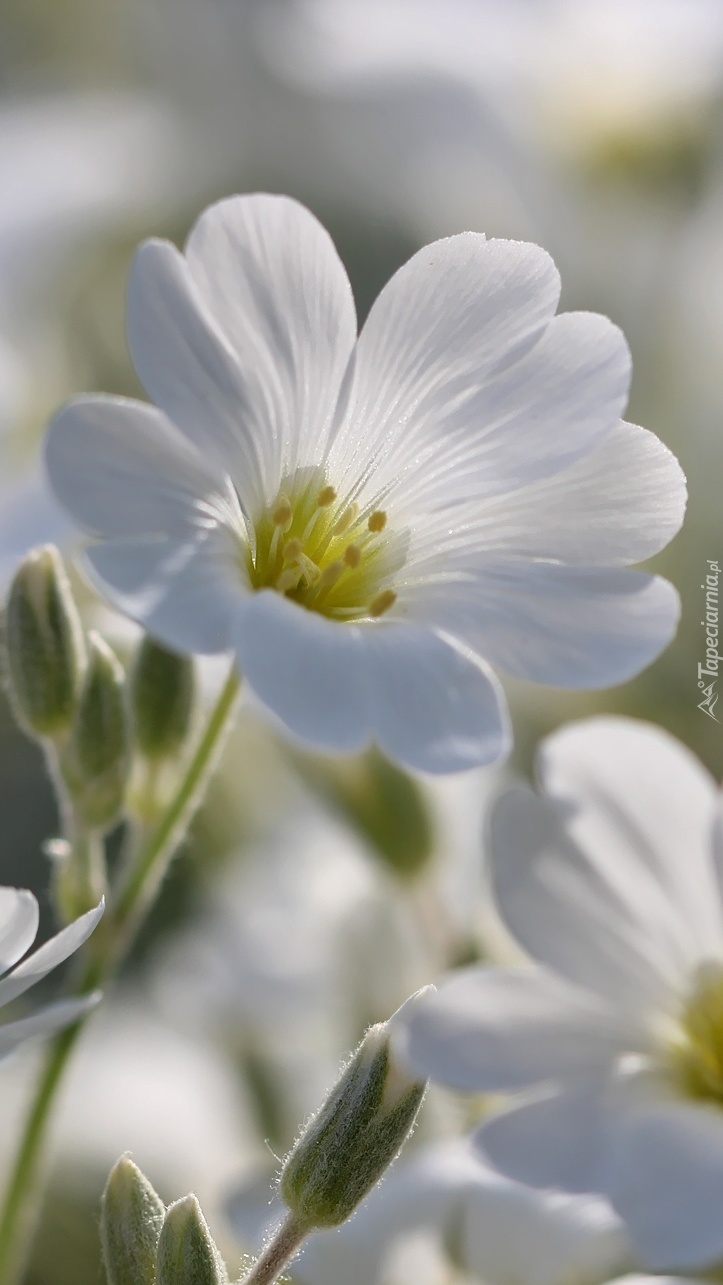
(114, 935)
(149, 867)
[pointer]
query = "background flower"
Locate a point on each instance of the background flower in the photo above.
(610, 882)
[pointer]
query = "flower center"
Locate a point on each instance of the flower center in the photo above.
(323, 553)
(697, 1053)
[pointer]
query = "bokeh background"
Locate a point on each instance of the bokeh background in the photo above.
(315, 895)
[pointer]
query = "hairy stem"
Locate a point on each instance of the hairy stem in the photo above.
(280, 1251)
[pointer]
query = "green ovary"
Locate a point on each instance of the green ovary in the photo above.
(697, 1053)
(325, 554)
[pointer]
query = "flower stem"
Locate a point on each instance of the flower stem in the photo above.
(149, 867)
(114, 935)
(280, 1250)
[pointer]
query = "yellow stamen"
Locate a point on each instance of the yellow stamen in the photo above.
(326, 496)
(288, 579)
(348, 517)
(382, 602)
(377, 521)
(352, 555)
(283, 513)
(309, 569)
(331, 573)
(292, 550)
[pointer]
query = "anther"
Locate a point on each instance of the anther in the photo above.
(283, 513)
(292, 550)
(352, 556)
(347, 519)
(382, 602)
(377, 521)
(326, 496)
(331, 573)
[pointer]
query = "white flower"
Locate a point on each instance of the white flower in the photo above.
(18, 927)
(363, 522)
(612, 883)
(497, 1230)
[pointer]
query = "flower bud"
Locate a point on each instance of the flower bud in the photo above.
(357, 1133)
(162, 690)
(44, 644)
(130, 1223)
(96, 760)
(186, 1252)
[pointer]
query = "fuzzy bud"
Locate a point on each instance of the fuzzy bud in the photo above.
(186, 1252)
(44, 643)
(162, 691)
(357, 1133)
(96, 760)
(130, 1224)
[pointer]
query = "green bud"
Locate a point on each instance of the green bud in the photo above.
(96, 760)
(44, 645)
(357, 1133)
(162, 692)
(186, 1252)
(131, 1217)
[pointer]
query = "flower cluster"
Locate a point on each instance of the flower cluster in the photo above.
(371, 525)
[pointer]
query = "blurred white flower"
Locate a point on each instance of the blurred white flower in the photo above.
(446, 1208)
(612, 884)
(18, 928)
(364, 522)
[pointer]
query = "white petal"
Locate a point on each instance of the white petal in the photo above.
(717, 844)
(270, 277)
(49, 955)
(121, 469)
(568, 626)
(596, 912)
(553, 1140)
(174, 556)
(455, 312)
(503, 1029)
(511, 1233)
(310, 671)
(18, 924)
(189, 369)
(48, 1020)
(433, 708)
(641, 808)
(184, 594)
(621, 503)
(666, 1181)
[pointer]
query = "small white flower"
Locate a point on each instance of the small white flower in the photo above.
(613, 885)
(18, 927)
(362, 521)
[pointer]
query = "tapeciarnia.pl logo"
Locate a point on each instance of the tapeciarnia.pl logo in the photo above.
(709, 670)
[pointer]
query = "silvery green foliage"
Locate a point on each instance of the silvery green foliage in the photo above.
(130, 1225)
(96, 760)
(162, 691)
(355, 1136)
(186, 1252)
(44, 645)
